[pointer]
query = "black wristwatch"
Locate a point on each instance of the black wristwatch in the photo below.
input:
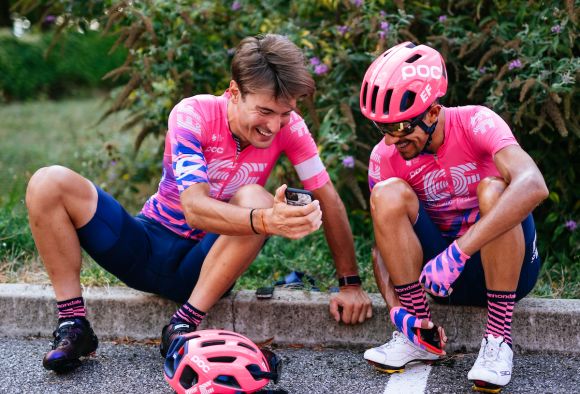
(351, 280)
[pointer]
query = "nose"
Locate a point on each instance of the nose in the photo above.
(275, 124)
(390, 140)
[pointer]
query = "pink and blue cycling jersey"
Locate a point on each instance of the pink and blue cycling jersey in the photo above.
(446, 182)
(200, 148)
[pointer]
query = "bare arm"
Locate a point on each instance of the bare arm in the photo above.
(526, 189)
(206, 213)
(351, 305)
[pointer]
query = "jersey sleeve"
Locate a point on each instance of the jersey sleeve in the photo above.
(302, 151)
(489, 132)
(185, 138)
(379, 166)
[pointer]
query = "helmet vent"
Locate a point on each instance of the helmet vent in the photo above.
(408, 100)
(247, 346)
(374, 98)
(413, 58)
(222, 359)
(213, 343)
(364, 96)
(227, 380)
(387, 52)
(410, 45)
(188, 377)
(387, 102)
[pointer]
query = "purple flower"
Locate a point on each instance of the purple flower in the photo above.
(482, 70)
(357, 3)
(113, 163)
(515, 64)
(442, 18)
(236, 5)
(571, 225)
(385, 26)
(348, 162)
(556, 29)
(314, 61)
(382, 14)
(50, 19)
(382, 34)
(343, 29)
(321, 69)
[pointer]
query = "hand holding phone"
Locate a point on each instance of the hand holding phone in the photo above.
(298, 197)
(430, 338)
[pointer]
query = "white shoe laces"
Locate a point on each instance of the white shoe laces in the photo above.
(398, 339)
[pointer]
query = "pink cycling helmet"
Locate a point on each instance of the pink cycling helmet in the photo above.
(218, 361)
(402, 83)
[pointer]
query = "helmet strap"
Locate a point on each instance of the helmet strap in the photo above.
(429, 130)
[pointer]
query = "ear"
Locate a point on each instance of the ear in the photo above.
(234, 91)
(433, 113)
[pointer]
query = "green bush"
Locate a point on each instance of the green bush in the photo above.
(76, 61)
(517, 57)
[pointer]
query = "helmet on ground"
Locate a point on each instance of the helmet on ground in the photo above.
(402, 83)
(218, 361)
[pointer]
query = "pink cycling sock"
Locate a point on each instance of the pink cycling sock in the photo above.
(68, 309)
(413, 299)
(188, 314)
(500, 307)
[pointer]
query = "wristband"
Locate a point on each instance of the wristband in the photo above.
(350, 280)
(252, 221)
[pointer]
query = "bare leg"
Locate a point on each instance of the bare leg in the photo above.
(394, 208)
(383, 280)
(230, 256)
(60, 201)
(503, 257)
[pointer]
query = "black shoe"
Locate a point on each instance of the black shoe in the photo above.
(172, 331)
(74, 338)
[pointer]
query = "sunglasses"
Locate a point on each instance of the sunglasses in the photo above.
(400, 129)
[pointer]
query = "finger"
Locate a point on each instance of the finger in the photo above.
(369, 311)
(443, 336)
(346, 313)
(280, 196)
(424, 323)
(334, 309)
(356, 313)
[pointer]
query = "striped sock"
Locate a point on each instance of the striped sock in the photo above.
(500, 307)
(413, 299)
(75, 307)
(188, 314)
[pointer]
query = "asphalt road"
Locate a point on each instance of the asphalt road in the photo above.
(137, 367)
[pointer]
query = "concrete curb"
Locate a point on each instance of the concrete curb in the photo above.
(290, 317)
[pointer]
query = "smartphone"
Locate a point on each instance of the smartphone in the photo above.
(431, 340)
(298, 196)
(264, 293)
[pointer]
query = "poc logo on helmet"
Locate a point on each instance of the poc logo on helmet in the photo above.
(421, 70)
(200, 363)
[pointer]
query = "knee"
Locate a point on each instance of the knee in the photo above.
(252, 196)
(393, 196)
(488, 192)
(45, 186)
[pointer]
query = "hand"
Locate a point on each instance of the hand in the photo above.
(355, 304)
(441, 272)
(407, 324)
(289, 221)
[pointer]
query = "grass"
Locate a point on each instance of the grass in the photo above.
(42, 133)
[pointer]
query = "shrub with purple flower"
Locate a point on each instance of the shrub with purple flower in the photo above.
(515, 64)
(348, 162)
(236, 5)
(571, 225)
(556, 29)
(320, 69)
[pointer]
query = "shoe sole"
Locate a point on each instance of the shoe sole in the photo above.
(390, 370)
(485, 387)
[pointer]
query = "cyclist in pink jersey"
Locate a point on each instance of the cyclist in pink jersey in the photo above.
(211, 214)
(451, 199)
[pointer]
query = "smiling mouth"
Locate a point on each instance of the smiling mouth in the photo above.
(263, 132)
(402, 145)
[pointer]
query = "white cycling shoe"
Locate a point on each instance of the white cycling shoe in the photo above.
(395, 354)
(493, 368)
